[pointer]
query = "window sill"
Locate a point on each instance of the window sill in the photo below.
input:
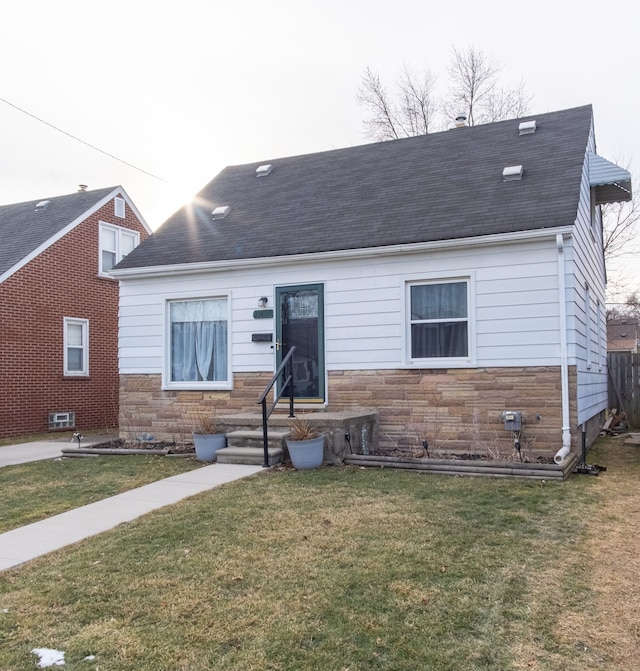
(109, 278)
(66, 376)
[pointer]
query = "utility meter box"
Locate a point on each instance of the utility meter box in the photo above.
(512, 420)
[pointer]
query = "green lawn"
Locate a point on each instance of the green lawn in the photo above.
(329, 570)
(33, 491)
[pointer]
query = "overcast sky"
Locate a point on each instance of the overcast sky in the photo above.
(182, 89)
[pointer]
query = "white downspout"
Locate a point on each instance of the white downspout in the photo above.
(564, 359)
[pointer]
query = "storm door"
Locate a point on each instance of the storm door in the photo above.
(300, 323)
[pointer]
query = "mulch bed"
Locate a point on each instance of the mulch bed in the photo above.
(172, 448)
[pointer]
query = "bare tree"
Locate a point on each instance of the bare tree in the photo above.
(414, 108)
(411, 115)
(620, 227)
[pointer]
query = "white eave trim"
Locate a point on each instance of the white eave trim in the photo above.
(342, 254)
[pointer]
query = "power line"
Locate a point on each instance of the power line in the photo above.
(73, 137)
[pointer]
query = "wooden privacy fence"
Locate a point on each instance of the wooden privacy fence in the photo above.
(624, 384)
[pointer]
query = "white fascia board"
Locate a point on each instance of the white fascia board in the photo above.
(342, 254)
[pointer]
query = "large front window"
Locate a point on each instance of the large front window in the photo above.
(439, 320)
(198, 341)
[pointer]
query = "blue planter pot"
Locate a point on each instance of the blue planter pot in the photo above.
(208, 444)
(306, 453)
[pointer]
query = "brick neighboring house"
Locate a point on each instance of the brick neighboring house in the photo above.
(59, 309)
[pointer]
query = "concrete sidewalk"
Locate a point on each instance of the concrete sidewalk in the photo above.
(39, 450)
(37, 539)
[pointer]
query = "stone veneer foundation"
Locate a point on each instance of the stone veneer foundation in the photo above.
(455, 410)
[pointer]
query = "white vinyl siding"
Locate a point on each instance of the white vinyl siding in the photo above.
(513, 307)
(76, 346)
(115, 243)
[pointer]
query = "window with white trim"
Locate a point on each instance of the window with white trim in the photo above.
(115, 243)
(198, 347)
(76, 346)
(438, 320)
(118, 207)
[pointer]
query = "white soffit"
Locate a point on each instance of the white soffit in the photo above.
(612, 183)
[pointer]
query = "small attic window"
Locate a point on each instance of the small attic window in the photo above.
(221, 212)
(42, 205)
(512, 173)
(264, 170)
(527, 127)
(119, 207)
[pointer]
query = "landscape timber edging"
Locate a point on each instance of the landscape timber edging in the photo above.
(495, 469)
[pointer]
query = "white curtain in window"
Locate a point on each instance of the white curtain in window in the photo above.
(198, 341)
(431, 306)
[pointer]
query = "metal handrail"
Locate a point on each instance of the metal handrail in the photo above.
(285, 365)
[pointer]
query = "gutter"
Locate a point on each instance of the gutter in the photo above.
(342, 254)
(564, 358)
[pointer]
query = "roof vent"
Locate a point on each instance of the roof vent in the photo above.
(527, 127)
(461, 120)
(512, 173)
(82, 187)
(221, 212)
(264, 170)
(42, 205)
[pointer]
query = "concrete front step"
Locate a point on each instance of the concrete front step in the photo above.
(254, 438)
(249, 455)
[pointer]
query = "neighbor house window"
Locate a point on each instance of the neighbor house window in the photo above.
(115, 244)
(76, 346)
(118, 207)
(198, 342)
(439, 320)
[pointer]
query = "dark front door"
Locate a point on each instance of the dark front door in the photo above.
(300, 323)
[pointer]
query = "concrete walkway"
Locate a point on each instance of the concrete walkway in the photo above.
(39, 450)
(34, 540)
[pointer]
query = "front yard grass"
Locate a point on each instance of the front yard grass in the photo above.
(33, 491)
(338, 569)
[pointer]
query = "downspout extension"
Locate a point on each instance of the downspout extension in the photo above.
(564, 358)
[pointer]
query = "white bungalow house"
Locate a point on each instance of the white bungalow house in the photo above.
(441, 280)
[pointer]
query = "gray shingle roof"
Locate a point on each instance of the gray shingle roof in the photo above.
(23, 228)
(436, 187)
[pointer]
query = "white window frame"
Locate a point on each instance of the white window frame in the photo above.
(440, 362)
(167, 382)
(120, 233)
(84, 323)
(119, 209)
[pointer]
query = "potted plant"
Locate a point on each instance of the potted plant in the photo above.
(305, 445)
(206, 437)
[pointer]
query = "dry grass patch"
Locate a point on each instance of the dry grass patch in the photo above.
(41, 489)
(333, 569)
